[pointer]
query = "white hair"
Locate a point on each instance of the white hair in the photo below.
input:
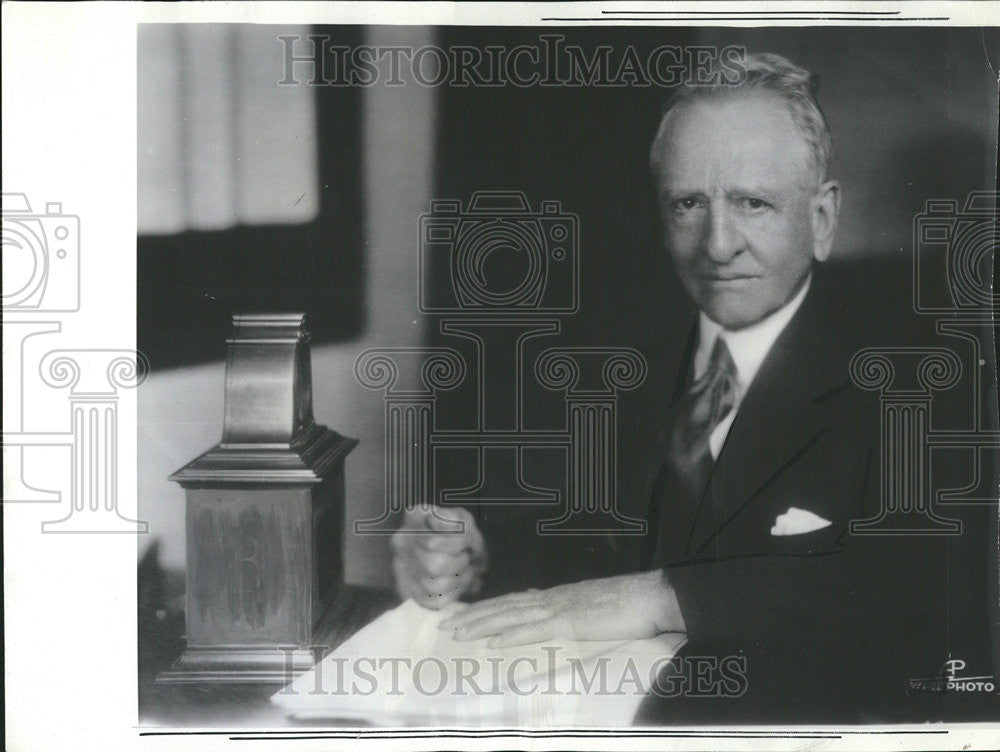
(795, 86)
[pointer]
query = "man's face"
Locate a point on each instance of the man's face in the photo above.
(742, 215)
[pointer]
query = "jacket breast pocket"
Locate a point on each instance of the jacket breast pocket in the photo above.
(819, 541)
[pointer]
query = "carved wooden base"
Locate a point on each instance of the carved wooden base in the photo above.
(352, 608)
(241, 665)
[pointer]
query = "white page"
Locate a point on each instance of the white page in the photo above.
(402, 670)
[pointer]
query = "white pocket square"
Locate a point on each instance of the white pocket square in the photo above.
(798, 521)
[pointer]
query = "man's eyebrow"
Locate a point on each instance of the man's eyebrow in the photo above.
(768, 194)
(670, 192)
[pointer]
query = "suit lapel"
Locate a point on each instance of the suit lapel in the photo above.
(663, 505)
(686, 361)
(786, 409)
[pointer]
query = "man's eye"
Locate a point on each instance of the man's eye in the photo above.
(685, 204)
(754, 204)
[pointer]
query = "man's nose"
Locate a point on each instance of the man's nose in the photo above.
(723, 240)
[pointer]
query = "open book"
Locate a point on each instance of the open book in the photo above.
(401, 670)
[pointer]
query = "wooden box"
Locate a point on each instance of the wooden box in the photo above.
(264, 516)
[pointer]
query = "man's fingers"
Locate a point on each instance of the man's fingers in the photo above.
(450, 586)
(434, 562)
(449, 543)
(438, 564)
(489, 606)
(444, 529)
(410, 590)
(415, 518)
(398, 542)
(404, 573)
(415, 534)
(427, 593)
(497, 623)
(526, 634)
(493, 606)
(439, 519)
(450, 520)
(433, 601)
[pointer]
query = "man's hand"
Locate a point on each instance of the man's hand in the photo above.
(435, 560)
(627, 607)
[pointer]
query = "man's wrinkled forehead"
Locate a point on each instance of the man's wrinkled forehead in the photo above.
(744, 135)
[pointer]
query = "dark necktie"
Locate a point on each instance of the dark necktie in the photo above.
(683, 477)
(708, 400)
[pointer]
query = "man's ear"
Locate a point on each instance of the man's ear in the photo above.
(826, 208)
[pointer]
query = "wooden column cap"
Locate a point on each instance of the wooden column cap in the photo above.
(269, 435)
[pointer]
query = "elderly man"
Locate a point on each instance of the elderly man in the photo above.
(766, 454)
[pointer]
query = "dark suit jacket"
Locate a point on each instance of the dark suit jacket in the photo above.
(830, 627)
(827, 626)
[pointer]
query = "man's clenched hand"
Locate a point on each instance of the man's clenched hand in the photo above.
(627, 607)
(435, 559)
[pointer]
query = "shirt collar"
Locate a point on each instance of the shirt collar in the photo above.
(750, 345)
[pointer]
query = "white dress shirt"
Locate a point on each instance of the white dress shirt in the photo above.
(748, 347)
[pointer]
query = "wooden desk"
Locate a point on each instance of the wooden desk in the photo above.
(235, 705)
